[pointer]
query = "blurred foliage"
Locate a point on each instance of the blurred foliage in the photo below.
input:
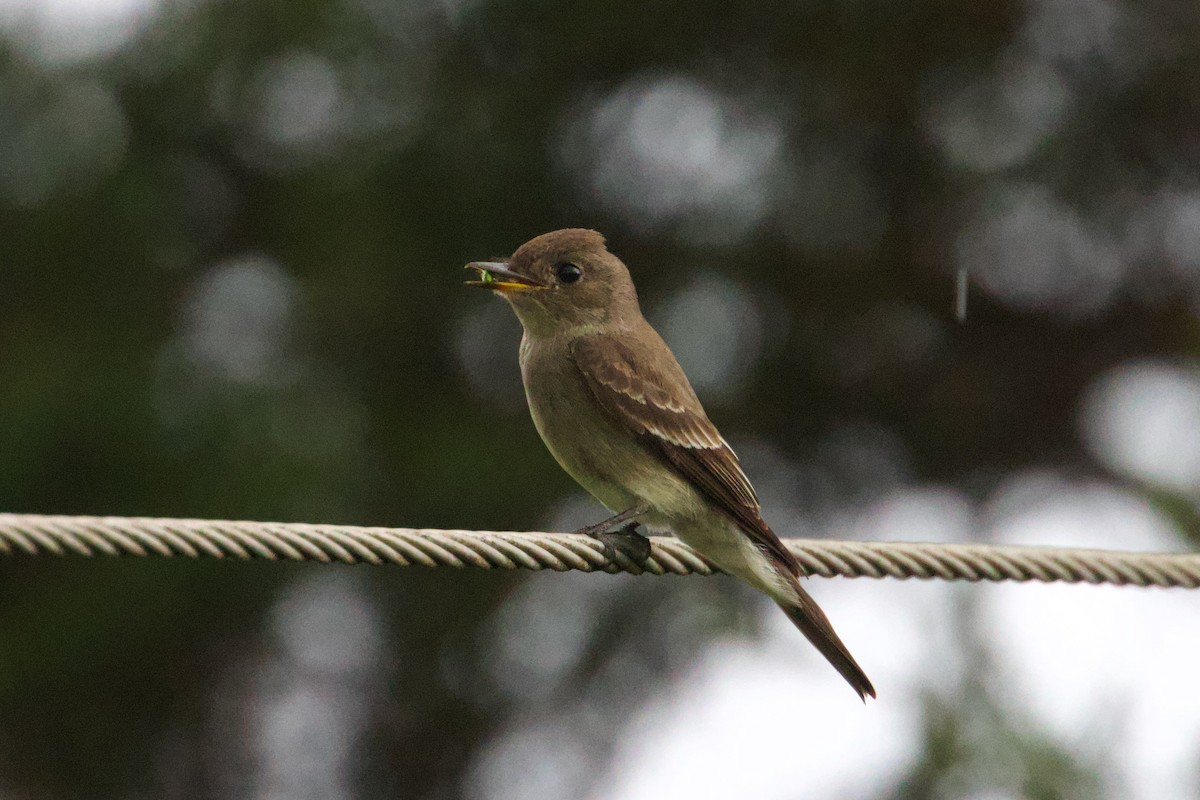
(230, 287)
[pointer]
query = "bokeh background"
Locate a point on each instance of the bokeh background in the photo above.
(231, 238)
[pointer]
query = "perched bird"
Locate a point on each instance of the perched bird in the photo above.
(618, 414)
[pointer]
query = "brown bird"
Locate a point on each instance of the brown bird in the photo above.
(618, 414)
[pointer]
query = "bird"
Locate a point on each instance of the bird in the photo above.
(616, 411)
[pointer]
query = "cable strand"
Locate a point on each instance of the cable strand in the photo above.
(25, 535)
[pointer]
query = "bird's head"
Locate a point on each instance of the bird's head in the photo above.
(563, 280)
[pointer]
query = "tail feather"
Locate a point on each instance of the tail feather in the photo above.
(806, 615)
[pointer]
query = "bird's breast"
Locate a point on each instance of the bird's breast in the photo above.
(604, 458)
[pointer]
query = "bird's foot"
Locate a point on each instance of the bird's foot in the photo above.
(626, 541)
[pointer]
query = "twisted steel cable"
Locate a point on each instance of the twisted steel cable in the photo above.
(34, 534)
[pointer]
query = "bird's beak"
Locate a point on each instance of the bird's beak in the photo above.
(496, 275)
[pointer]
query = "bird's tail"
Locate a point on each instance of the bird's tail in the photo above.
(806, 615)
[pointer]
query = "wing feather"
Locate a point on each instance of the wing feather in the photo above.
(649, 394)
(645, 390)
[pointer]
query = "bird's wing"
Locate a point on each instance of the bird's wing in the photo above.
(645, 390)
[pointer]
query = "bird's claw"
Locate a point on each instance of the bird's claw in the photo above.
(625, 541)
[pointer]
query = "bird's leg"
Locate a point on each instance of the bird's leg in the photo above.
(625, 539)
(614, 521)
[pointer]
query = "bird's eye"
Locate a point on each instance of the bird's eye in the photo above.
(567, 273)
